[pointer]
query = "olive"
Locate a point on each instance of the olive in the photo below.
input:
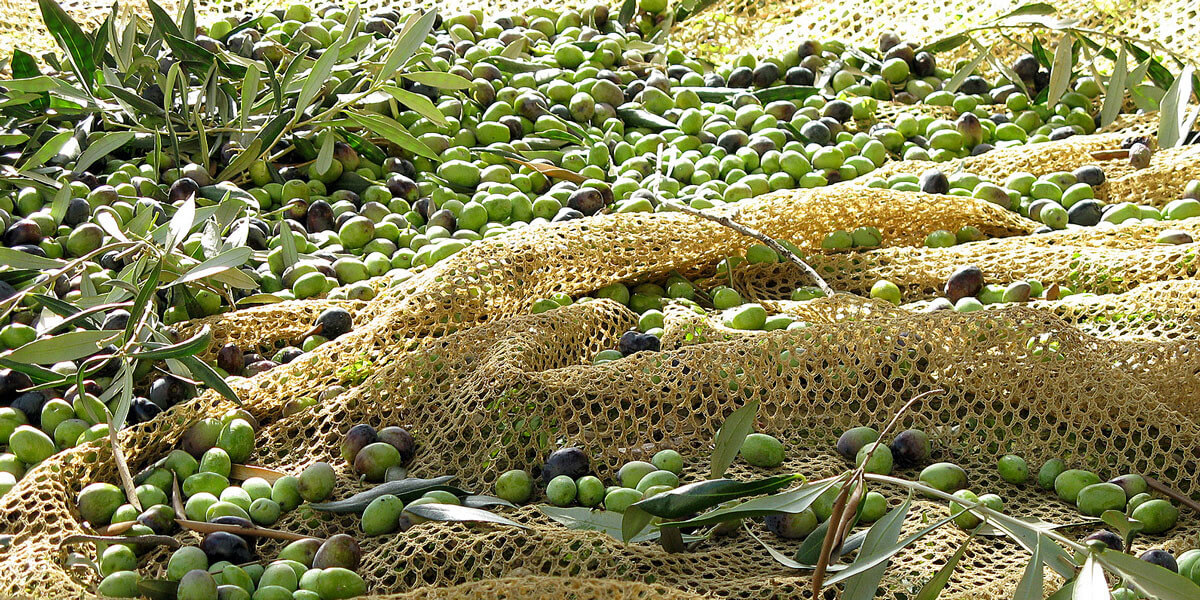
(1062, 133)
(808, 47)
(333, 323)
(356, 439)
(1092, 175)
(1161, 558)
(888, 40)
(287, 355)
(924, 64)
(401, 439)
(839, 110)
(964, 282)
(570, 461)
(714, 80)
(765, 74)
(911, 447)
(1139, 156)
(1111, 540)
(78, 211)
(142, 410)
(740, 77)
(115, 320)
(22, 233)
(1086, 213)
(588, 201)
(974, 85)
(635, 341)
(566, 214)
(11, 383)
(168, 391)
(1025, 66)
(816, 132)
(934, 181)
(733, 139)
(259, 366)
(224, 546)
(31, 403)
(799, 76)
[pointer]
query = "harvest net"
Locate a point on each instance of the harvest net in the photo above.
(453, 356)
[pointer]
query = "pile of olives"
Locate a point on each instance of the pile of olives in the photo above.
(567, 480)
(203, 466)
(378, 455)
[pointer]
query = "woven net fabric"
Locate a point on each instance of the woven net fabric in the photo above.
(453, 356)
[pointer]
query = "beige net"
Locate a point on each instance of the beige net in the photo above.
(453, 356)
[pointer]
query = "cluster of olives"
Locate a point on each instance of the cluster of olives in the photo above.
(203, 464)
(567, 479)
(306, 569)
(1092, 496)
(381, 455)
(862, 237)
(966, 290)
(861, 444)
(36, 424)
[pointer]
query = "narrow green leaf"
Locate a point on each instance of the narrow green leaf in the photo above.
(437, 79)
(257, 299)
(1029, 536)
(633, 522)
(230, 259)
(351, 24)
(946, 44)
(193, 345)
(1172, 109)
(730, 437)
(140, 105)
(273, 130)
(407, 41)
(288, 244)
(187, 22)
(484, 501)
(181, 223)
(789, 502)
(423, 105)
(58, 206)
(1060, 73)
(71, 38)
(36, 373)
(1091, 584)
(933, 588)
(877, 549)
(138, 312)
(394, 132)
(1032, 586)
(587, 519)
(163, 21)
(702, 495)
(454, 513)
(1114, 95)
(124, 387)
(67, 346)
(244, 159)
(204, 373)
(1033, 8)
(966, 71)
(316, 78)
(23, 65)
(325, 154)
(101, 148)
(47, 150)
(628, 7)
(515, 48)
(364, 147)
(407, 489)
(249, 95)
(878, 555)
(791, 563)
(23, 260)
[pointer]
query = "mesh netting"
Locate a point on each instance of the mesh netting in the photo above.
(485, 387)
(454, 357)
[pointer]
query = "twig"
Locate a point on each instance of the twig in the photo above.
(203, 527)
(1110, 154)
(1171, 493)
(762, 237)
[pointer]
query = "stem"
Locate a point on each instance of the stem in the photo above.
(978, 508)
(762, 237)
(671, 539)
(1171, 493)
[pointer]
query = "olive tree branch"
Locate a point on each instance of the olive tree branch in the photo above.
(758, 235)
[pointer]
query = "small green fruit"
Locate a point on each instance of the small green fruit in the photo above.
(589, 490)
(1094, 499)
(382, 515)
(561, 490)
(967, 520)
(619, 499)
(880, 461)
(1013, 469)
(1158, 515)
(316, 482)
(121, 584)
(516, 486)
(762, 450)
(945, 477)
(1068, 484)
(668, 460)
(1049, 472)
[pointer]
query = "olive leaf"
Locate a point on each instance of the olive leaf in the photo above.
(789, 502)
(1172, 109)
(406, 489)
(1150, 579)
(1060, 72)
(1090, 584)
(730, 437)
(702, 495)
(587, 519)
(458, 514)
(962, 74)
(933, 588)
(63, 347)
(72, 39)
(193, 345)
(1114, 95)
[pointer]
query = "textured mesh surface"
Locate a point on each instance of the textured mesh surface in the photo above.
(486, 387)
